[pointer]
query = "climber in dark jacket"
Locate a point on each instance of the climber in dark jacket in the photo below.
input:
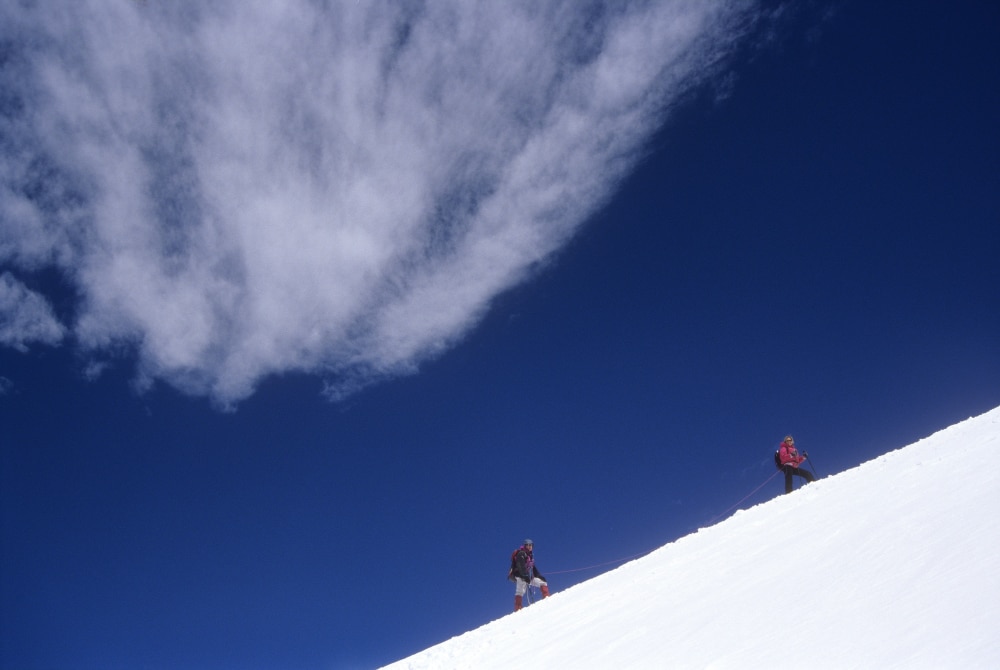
(524, 573)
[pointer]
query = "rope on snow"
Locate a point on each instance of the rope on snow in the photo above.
(643, 553)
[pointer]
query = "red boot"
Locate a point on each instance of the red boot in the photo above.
(517, 603)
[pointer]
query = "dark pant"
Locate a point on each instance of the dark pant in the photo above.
(792, 470)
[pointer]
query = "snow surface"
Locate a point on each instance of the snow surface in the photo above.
(892, 564)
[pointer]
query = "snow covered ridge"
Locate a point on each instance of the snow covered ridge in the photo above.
(893, 564)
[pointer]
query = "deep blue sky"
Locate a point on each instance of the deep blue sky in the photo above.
(817, 253)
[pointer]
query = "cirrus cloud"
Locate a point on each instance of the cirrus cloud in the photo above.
(237, 189)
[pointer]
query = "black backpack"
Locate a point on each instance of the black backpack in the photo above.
(777, 459)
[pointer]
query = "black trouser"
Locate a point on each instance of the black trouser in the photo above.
(792, 470)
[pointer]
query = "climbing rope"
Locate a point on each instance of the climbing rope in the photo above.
(741, 500)
(601, 565)
(643, 553)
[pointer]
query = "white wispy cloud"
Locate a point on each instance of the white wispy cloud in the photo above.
(238, 189)
(25, 316)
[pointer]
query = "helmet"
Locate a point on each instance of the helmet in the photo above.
(528, 543)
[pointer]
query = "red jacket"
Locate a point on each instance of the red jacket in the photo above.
(789, 455)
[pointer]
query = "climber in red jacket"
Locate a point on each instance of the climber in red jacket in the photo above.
(790, 462)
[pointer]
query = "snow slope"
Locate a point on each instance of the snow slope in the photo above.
(893, 564)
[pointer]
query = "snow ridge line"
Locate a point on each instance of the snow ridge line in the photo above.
(649, 551)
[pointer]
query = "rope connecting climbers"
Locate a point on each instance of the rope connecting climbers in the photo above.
(600, 565)
(741, 500)
(648, 551)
